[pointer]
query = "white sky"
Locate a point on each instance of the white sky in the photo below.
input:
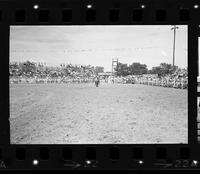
(97, 45)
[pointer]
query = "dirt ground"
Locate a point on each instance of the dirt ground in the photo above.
(84, 114)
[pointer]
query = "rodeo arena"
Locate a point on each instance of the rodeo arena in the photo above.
(61, 105)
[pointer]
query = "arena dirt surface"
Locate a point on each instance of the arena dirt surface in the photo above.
(111, 113)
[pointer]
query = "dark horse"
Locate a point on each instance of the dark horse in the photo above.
(96, 80)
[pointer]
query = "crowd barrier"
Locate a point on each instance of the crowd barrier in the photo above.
(173, 83)
(41, 81)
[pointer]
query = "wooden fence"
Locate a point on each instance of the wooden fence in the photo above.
(175, 83)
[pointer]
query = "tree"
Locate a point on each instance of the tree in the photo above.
(163, 69)
(166, 68)
(155, 70)
(122, 69)
(138, 69)
(99, 69)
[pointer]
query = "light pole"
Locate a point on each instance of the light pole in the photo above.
(174, 28)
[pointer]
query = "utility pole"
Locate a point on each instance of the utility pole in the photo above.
(174, 28)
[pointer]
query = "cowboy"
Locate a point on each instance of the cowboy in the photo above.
(96, 80)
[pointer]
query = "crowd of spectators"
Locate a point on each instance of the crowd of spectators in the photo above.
(29, 72)
(178, 79)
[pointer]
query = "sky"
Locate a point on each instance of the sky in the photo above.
(98, 45)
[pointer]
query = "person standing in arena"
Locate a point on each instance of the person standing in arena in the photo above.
(96, 81)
